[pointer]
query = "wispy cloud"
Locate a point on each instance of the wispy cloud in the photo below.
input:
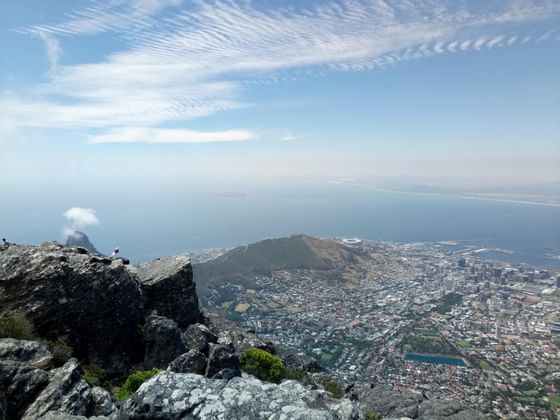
(182, 63)
(159, 135)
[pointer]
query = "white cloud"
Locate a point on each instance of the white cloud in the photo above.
(52, 48)
(80, 217)
(184, 63)
(157, 136)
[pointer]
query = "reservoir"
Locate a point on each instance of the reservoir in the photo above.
(436, 359)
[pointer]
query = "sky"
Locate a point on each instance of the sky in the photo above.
(157, 92)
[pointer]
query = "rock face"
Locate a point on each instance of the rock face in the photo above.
(77, 238)
(186, 396)
(163, 342)
(410, 405)
(198, 337)
(191, 362)
(92, 304)
(169, 289)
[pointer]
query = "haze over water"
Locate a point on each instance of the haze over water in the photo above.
(157, 223)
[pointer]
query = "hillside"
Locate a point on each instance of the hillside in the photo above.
(241, 264)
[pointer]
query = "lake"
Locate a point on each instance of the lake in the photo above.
(435, 359)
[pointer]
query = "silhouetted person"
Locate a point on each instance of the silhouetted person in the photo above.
(5, 243)
(115, 253)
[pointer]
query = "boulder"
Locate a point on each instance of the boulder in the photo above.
(21, 384)
(198, 337)
(25, 352)
(66, 393)
(169, 289)
(222, 357)
(191, 362)
(229, 333)
(95, 307)
(163, 342)
(103, 404)
(302, 362)
(446, 409)
(171, 395)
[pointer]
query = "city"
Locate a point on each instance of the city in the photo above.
(433, 318)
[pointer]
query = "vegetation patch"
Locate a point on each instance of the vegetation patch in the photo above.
(447, 302)
(94, 375)
(463, 344)
(16, 325)
(484, 365)
(134, 381)
(263, 365)
(226, 305)
(372, 415)
(242, 307)
(554, 400)
(333, 388)
(60, 350)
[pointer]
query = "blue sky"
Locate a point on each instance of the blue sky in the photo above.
(161, 91)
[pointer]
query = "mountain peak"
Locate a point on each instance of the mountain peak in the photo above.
(77, 238)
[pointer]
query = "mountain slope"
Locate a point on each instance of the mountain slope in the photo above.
(241, 264)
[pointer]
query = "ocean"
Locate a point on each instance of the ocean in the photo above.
(176, 220)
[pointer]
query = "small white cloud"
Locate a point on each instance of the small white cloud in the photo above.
(289, 136)
(80, 217)
(52, 48)
(170, 135)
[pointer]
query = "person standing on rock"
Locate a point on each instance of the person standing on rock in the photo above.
(5, 243)
(115, 252)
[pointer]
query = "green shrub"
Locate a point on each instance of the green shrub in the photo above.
(291, 373)
(372, 415)
(134, 381)
(333, 387)
(262, 364)
(17, 326)
(61, 352)
(94, 375)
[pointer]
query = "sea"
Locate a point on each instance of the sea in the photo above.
(148, 224)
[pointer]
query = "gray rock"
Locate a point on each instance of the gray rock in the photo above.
(3, 405)
(191, 362)
(171, 395)
(66, 393)
(103, 404)
(169, 289)
(163, 342)
(25, 352)
(21, 384)
(229, 333)
(95, 307)
(198, 337)
(439, 409)
(221, 357)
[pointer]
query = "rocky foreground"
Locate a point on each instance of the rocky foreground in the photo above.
(120, 318)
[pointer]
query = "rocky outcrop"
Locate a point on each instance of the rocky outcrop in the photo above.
(94, 305)
(186, 396)
(77, 238)
(409, 404)
(66, 392)
(24, 352)
(198, 337)
(163, 342)
(191, 362)
(223, 363)
(169, 289)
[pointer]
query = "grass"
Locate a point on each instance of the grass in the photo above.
(227, 305)
(463, 344)
(333, 388)
(326, 356)
(242, 307)
(554, 399)
(17, 326)
(484, 365)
